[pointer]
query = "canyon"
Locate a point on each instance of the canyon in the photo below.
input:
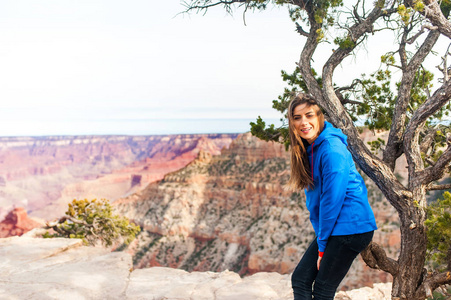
(43, 174)
(205, 203)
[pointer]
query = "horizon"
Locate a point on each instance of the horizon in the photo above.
(168, 127)
(114, 135)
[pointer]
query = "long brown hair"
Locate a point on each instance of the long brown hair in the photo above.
(300, 171)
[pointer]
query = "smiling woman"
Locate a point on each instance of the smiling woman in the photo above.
(336, 199)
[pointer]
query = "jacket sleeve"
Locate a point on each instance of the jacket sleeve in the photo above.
(334, 176)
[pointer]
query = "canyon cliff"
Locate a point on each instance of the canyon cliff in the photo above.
(43, 174)
(37, 269)
(231, 212)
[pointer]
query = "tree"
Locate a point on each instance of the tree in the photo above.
(411, 111)
(93, 221)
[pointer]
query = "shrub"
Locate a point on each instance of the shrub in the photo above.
(93, 221)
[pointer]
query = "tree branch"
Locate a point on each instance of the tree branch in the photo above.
(396, 136)
(436, 172)
(200, 5)
(375, 257)
(423, 27)
(434, 14)
(411, 147)
(402, 49)
(344, 100)
(432, 105)
(65, 218)
(431, 283)
(440, 187)
(300, 30)
(355, 13)
(356, 31)
(350, 87)
(429, 161)
(428, 139)
(310, 45)
(445, 70)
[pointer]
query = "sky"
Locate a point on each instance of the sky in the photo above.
(141, 67)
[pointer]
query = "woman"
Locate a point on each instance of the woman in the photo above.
(336, 199)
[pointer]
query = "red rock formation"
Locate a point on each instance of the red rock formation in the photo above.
(17, 222)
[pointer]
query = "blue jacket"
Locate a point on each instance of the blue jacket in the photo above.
(338, 203)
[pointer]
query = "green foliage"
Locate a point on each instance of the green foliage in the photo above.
(322, 8)
(94, 221)
(378, 101)
(405, 13)
(388, 59)
(418, 6)
(270, 133)
(345, 43)
(438, 226)
(320, 35)
(380, 3)
(440, 137)
(376, 145)
(445, 6)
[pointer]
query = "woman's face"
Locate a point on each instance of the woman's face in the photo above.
(306, 122)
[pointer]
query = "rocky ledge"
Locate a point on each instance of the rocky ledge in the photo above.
(35, 268)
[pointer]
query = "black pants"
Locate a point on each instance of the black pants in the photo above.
(340, 252)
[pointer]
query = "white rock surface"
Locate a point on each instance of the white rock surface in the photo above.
(380, 291)
(33, 268)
